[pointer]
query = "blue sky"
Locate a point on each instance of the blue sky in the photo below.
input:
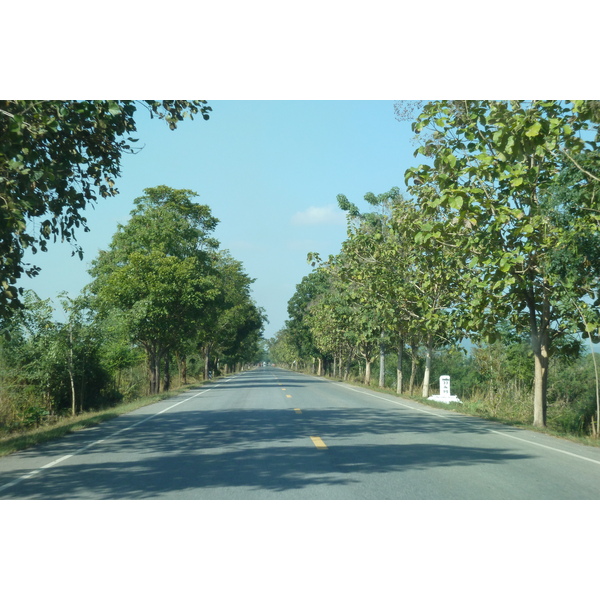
(269, 170)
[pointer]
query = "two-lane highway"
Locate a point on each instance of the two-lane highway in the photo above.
(275, 434)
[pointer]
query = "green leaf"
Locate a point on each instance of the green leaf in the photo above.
(114, 109)
(534, 130)
(456, 202)
(450, 159)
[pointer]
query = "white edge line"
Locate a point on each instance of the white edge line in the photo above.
(58, 460)
(347, 387)
(35, 472)
(514, 437)
(491, 430)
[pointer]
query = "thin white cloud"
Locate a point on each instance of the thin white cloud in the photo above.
(320, 215)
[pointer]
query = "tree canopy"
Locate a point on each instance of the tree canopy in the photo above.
(495, 164)
(57, 157)
(164, 273)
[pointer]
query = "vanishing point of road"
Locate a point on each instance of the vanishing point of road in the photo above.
(275, 434)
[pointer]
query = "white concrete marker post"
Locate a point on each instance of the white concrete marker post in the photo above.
(444, 395)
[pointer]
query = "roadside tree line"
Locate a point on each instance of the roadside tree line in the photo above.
(497, 238)
(164, 301)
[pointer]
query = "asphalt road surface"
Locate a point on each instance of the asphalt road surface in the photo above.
(274, 434)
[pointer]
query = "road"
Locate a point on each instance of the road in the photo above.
(274, 434)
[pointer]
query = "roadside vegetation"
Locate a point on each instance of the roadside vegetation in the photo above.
(495, 242)
(26, 436)
(166, 308)
(493, 383)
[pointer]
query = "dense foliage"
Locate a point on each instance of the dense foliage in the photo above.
(57, 157)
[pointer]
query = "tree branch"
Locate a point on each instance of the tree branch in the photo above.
(578, 165)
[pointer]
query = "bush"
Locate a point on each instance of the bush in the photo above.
(511, 403)
(572, 395)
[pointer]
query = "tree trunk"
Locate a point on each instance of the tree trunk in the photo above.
(157, 372)
(399, 367)
(540, 386)
(167, 377)
(381, 361)
(184, 370)
(73, 396)
(153, 369)
(71, 374)
(182, 366)
(368, 371)
(428, 353)
(413, 367)
(151, 375)
(206, 354)
(320, 367)
(540, 389)
(540, 344)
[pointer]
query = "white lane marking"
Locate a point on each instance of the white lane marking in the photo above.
(63, 458)
(546, 447)
(490, 430)
(440, 416)
(55, 462)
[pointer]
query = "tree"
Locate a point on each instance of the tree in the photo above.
(159, 271)
(56, 158)
(300, 333)
(282, 349)
(235, 319)
(328, 320)
(493, 165)
(53, 367)
(411, 289)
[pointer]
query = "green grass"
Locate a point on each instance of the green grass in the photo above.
(21, 440)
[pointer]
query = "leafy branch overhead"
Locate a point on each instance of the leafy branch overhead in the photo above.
(56, 158)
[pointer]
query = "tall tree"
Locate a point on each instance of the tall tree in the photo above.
(57, 157)
(159, 271)
(235, 317)
(489, 167)
(307, 292)
(412, 289)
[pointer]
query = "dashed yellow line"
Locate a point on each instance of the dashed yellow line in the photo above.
(318, 442)
(287, 396)
(298, 411)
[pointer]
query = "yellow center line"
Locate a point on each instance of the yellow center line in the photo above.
(287, 396)
(298, 411)
(318, 442)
